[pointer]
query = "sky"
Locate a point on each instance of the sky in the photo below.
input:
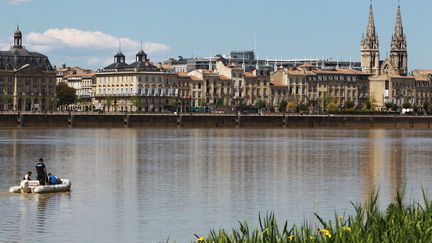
(87, 33)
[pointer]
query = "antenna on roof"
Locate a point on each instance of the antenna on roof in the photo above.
(210, 67)
(255, 49)
(119, 44)
(141, 44)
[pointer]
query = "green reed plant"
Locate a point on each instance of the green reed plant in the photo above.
(399, 222)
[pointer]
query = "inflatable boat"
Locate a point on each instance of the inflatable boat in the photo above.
(35, 187)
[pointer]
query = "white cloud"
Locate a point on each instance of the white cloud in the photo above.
(74, 38)
(84, 48)
(15, 2)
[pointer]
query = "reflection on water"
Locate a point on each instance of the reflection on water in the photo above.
(151, 184)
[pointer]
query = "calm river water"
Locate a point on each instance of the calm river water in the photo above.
(148, 185)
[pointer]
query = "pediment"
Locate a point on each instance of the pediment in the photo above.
(387, 68)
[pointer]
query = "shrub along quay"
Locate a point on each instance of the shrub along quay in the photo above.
(190, 120)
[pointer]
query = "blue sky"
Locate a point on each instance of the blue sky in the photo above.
(65, 30)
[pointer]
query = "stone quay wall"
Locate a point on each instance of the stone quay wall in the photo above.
(196, 120)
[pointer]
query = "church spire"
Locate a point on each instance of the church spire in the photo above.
(371, 23)
(398, 52)
(399, 26)
(371, 38)
(370, 46)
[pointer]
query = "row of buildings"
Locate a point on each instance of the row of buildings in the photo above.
(27, 80)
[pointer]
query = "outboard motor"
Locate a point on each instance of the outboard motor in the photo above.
(25, 187)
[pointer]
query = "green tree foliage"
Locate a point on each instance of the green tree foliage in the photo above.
(427, 106)
(219, 103)
(262, 104)
(369, 105)
(390, 106)
(202, 102)
(302, 107)
(108, 103)
(6, 100)
(134, 101)
(349, 105)
(406, 104)
(330, 103)
(65, 94)
(241, 104)
(283, 106)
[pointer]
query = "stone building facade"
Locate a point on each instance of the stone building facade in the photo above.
(27, 79)
(140, 86)
(314, 87)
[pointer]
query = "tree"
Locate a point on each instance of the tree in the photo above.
(52, 103)
(369, 105)
(406, 104)
(349, 104)
(219, 103)
(108, 102)
(292, 106)
(134, 100)
(202, 102)
(262, 104)
(390, 106)
(302, 107)
(330, 103)
(427, 106)
(6, 100)
(65, 94)
(241, 104)
(283, 106)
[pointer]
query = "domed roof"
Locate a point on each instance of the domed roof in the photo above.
(141, 53)
(18, 32)
(119, 54)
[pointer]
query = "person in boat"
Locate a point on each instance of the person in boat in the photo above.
(27, 176)
(53, 180)
(41, 172)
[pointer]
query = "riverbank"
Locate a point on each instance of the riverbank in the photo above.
(200, 120)
(400, 222)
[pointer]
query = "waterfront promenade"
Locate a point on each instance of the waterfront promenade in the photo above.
(209, 120)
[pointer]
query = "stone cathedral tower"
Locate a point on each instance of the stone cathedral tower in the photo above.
(370, 61)
(398, 52)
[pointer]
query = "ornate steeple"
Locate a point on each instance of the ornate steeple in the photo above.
(370, 46)
(398, 52)
(399, 26)
(371, 33)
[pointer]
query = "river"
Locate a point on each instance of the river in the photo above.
(150, 185)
